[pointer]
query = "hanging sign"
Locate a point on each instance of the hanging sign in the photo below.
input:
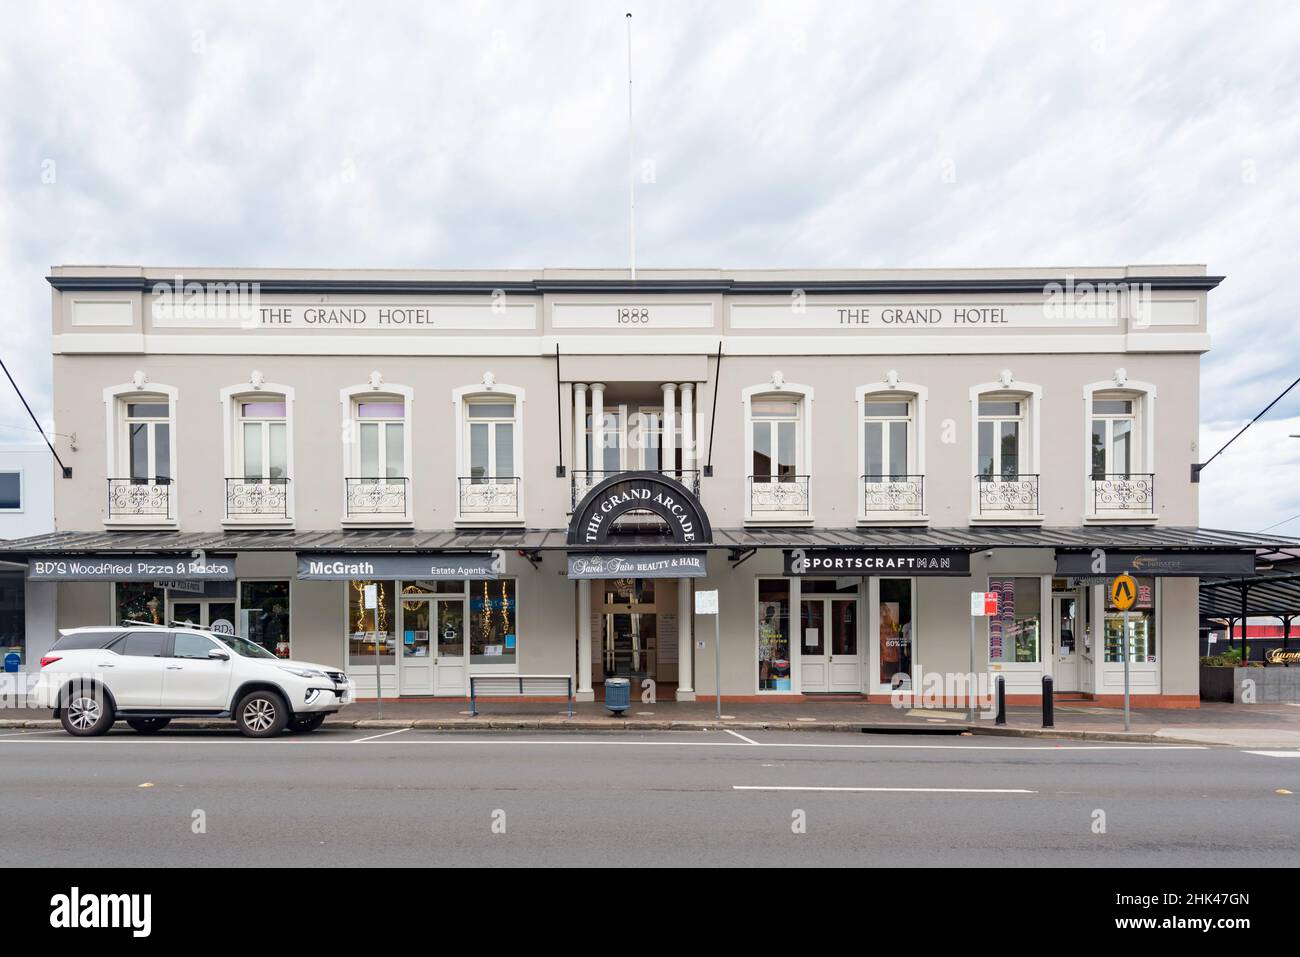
(639, 565)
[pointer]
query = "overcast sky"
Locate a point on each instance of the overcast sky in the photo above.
(796, 134)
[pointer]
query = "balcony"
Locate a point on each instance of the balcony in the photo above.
(257, 499)
(488, 498)
(1123, 494)
(376, 499)
(781, 497)
(140, 500)
(584, 481)
(1007, 496)
(892, 497)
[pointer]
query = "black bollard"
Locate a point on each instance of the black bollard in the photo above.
(1002, 700)
(1048, 708)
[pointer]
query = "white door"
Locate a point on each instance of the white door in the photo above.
(191, 679)
(135, 673)
(450, 676)
(418, 647)
(830, 660)
(1067, 634)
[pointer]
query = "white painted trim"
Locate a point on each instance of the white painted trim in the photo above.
(348, 397)
(615, 343)
(459, 400)
(1033, 420)
(228, 396)
(114, 417)
(918, 396)
(1144, 397)
(805, 442)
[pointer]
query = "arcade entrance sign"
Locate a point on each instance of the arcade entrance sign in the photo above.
(598, 513)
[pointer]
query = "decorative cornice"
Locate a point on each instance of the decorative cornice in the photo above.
(537, 287)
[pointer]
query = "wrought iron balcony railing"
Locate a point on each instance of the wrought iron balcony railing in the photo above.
(780, 495)
(253, 498)
(376, 497)
(485, 495)
(1127, 492)
(140, 498)
(893, 494)
(1007, 494)
(584, 480)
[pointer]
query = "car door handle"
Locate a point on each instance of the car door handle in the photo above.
(175, 667)
(105, 664)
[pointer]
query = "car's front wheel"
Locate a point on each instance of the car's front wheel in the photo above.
(261, 714)
(302, 723)
(148, 725)
(86, 711)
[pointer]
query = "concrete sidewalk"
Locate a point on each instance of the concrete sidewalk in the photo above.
(1247, 726)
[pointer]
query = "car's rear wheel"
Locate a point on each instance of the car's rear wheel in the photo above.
(261, 714)
(148, 725)
(86, 711)
(302, 723)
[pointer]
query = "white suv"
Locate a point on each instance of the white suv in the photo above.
(146, 675)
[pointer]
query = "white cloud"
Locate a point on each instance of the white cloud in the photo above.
(810, 134)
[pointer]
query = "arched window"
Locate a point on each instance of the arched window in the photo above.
(1120, 454)
(258, 423)
(778, 451)
(489, 452)
(141, 468)
(891, 451)
(1005, 450)
(377, 480)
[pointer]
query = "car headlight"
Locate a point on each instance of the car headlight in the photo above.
(303, 672)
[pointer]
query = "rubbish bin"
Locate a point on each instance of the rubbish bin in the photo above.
(618, 694)
(12, 662)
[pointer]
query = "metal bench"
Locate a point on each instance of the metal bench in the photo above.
(500, 686)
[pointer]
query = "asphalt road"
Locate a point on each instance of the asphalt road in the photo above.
(346, 797)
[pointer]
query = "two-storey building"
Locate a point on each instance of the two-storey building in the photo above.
(540, 468)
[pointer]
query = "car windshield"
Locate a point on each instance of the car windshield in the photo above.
(243, 647)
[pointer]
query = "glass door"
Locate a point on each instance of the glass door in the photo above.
(218, 616)
(450, 676)
(1065, 640)
(417, 649)
(829, 645)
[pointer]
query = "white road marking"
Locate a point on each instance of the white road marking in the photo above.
(373, 737)
(766, 787)
(29, 732)
(459, 738)
(737, 734)
(1277, 754)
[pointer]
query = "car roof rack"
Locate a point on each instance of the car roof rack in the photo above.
(143, 624)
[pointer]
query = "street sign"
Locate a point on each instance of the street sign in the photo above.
(706, 602)
(1123, 592)
(983, 604)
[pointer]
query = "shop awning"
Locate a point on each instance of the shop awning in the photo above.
(450, 541)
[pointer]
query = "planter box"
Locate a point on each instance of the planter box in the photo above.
(1273, 685)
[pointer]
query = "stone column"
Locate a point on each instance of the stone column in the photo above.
(597, 463)
(688, 429)
(579, 429)
(584, 692)
(685, 641)
(668, 443)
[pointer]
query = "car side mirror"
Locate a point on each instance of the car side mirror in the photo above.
(218, 654)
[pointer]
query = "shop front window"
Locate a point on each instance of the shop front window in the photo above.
(896, 647)
(13, 624)
(140, 601)
(493, 622)
(365, 640)
(773, 634)
(264, 615)
(1015, 633)
(1141, 626)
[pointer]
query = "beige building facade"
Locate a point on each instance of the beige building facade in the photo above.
(542, 470)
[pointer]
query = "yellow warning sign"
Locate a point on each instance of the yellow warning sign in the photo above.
(1123, 592)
